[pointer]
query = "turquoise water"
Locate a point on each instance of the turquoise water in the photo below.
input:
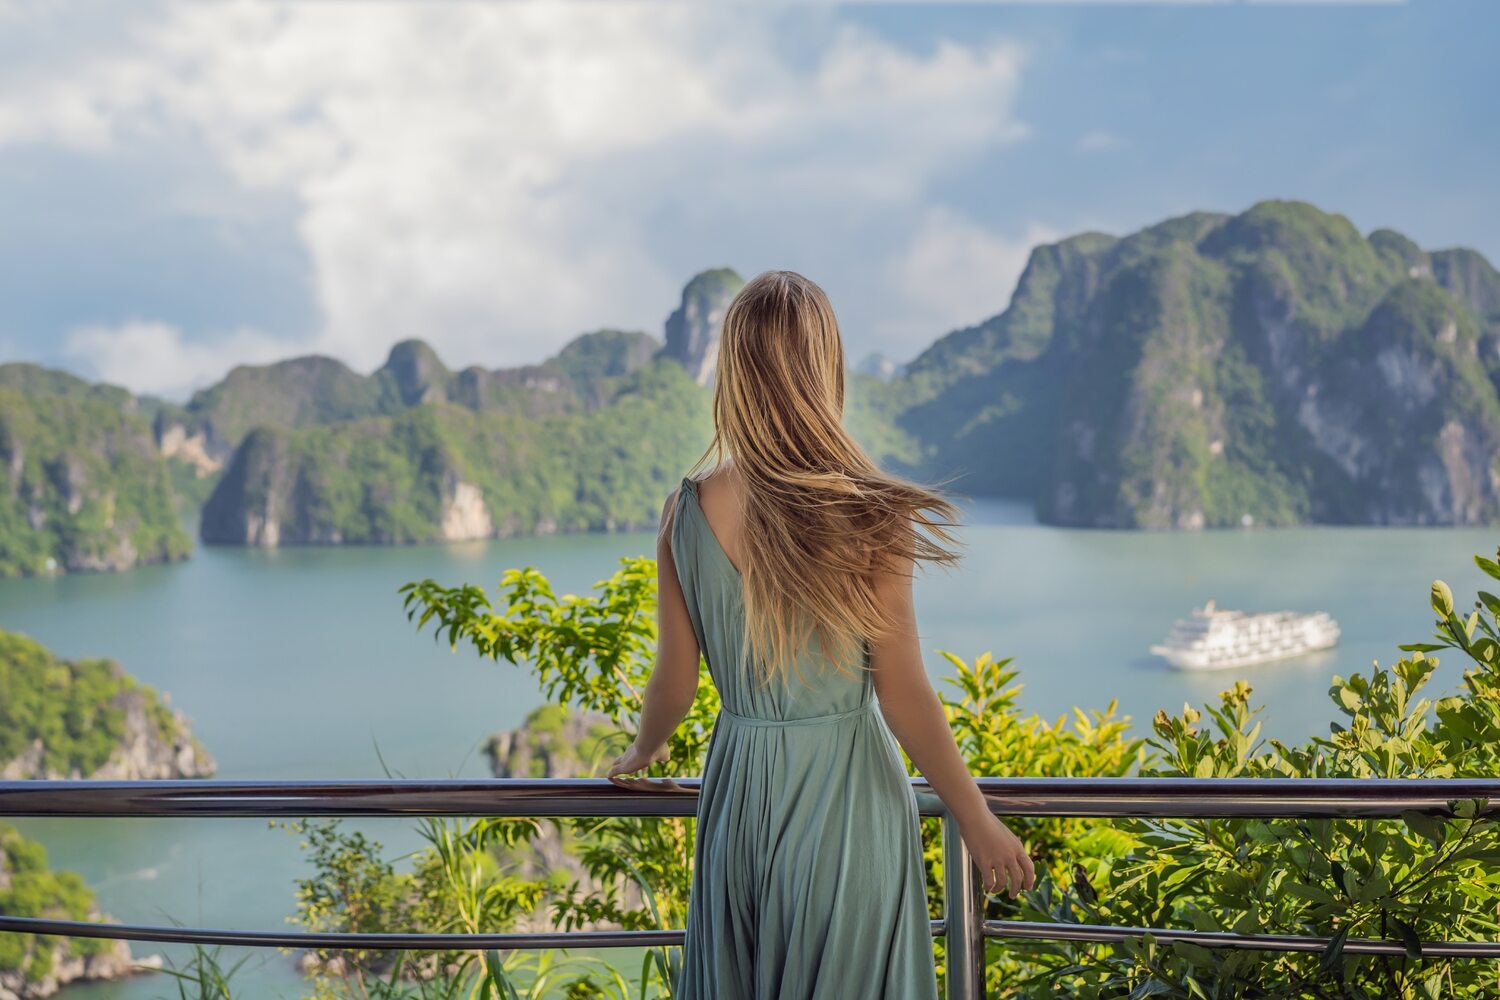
(300, 664)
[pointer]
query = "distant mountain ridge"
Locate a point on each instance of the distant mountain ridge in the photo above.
(589, 440)
(1273, 367)
(440, 471)
(259, 451)
(315, 390)
(1270, 367)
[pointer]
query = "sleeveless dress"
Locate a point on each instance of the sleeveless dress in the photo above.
(808, 881)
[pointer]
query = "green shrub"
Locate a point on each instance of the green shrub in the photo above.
(1406, 880)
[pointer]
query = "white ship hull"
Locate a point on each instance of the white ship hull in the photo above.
(1224, 640)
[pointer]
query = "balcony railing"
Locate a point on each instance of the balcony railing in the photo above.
(962, 927)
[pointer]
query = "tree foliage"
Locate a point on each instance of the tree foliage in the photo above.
(1408, 880)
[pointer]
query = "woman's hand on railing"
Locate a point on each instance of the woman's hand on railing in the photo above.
(999, 855)
(635, 759)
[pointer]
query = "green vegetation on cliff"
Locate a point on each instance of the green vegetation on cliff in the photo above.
(69, 718)
(440, 470)
(291, 393)
(82, 484)
(1273, 367)
(317, 391)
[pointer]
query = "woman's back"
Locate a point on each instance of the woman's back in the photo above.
(713, 587)
(807, 879)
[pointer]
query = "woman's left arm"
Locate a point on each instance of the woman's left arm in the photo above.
(673, 685)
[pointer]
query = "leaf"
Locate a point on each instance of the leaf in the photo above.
(1408, 936)
(1248, 922)
(1333, 952)
(1195, 953)
(1442, 599)
(1308, 891)
(1348, 697)
(1152, 987)
(1465, 808)
(1427, 827)
(1488, 565)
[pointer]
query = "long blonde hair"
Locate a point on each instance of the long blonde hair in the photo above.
(819, 517)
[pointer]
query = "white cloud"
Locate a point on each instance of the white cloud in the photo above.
(957, 272)
(490, 177)
(156, 358)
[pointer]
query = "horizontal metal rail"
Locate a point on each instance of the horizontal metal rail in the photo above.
(1160, 798)
(348, 941)
(354, 941)
(963, 927)
(603, 940)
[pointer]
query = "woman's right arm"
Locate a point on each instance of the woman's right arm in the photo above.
(915, 715)
(673, 685)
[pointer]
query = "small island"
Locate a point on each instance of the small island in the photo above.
(70, 719)
(34, 966)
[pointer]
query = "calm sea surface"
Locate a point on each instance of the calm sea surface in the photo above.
(300, 664)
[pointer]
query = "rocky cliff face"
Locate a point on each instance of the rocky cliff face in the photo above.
(144, 751)
(115, 962)
(193, 449)
(312, 487)
(418, 373)
(465, 516)
(144, 754)
(87, 718)
(83, 487)
(1274, 367)
(553, 742)
(693, 328)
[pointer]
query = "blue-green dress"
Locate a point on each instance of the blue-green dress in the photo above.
(807, 868)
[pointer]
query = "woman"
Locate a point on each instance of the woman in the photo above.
(790, 568)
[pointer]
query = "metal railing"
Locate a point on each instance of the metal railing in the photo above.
(963, 926)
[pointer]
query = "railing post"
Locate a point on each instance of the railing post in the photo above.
(963, 917)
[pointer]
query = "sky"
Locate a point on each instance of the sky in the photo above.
(189, 186)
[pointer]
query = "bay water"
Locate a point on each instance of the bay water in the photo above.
(299, 663)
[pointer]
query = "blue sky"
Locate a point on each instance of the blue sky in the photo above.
(188, 186)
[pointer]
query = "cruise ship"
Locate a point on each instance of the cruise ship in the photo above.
(1216, 640)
